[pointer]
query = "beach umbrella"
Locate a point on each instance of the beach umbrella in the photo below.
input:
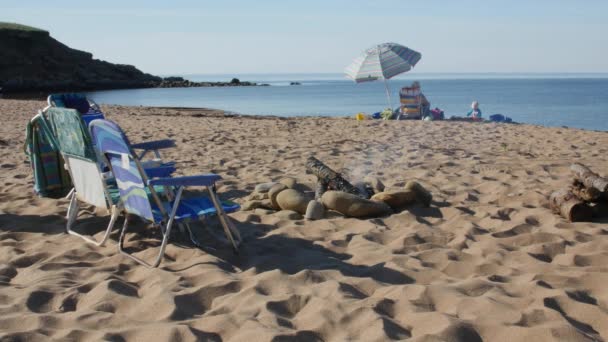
(381, 62)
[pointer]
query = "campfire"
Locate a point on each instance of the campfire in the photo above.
(368, 198)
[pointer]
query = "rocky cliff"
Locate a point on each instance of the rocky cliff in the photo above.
(32, 60)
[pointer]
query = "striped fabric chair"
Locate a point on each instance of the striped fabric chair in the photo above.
(411, 102)
(91, 185)
(150, 206)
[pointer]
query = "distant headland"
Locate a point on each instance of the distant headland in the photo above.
(32, 61)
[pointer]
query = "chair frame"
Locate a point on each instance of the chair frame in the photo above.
(113, 208)
(166, 224)
(73, 208)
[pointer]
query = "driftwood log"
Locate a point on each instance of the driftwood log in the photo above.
(584, 193)
(566, 203)
(589, 178)
(328, 179)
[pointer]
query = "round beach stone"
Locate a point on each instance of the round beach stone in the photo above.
(288, 215)
(274, 192)
(250, 205)
(291, 199)
(363, 188)
(262, 211)
(374, 183)
(264, 187)
(396, 199)
(354, 206)
(315, 210)
(422, 195)
(258, 196)
(289, 182)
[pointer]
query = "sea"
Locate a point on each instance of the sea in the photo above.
(564, 100)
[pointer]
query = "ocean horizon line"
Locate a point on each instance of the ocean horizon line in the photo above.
(278, 76)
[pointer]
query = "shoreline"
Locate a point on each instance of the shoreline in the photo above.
(214, 112)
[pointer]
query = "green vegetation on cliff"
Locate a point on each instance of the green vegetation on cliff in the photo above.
(18, 27)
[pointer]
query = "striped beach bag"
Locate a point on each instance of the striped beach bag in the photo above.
(50, 177)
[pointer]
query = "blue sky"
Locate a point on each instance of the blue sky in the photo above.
(177, 37)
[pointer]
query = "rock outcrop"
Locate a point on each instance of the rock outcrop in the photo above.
(33, 61)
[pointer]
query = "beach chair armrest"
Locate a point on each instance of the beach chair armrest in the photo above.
(161, 171)
(154, 145)
(199, 180)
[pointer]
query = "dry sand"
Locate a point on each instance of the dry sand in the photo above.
(489, 260)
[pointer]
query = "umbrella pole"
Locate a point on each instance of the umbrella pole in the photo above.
(388, 97)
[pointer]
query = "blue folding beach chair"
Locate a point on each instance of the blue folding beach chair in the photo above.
(88, 109)
(91, 183)
(132, 183)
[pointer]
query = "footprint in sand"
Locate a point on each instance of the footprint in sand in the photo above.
(40, 301)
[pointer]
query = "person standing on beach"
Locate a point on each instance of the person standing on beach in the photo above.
(475, 112)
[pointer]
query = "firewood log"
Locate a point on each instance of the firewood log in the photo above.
(584, 193)
(328, 179)
(572, 208)
(589, 178)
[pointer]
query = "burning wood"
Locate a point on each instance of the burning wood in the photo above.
(328, 179)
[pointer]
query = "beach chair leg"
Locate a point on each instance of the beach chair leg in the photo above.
(166, 232)
(193, 238)
(229, 229)
(70, 194)
(73, 213)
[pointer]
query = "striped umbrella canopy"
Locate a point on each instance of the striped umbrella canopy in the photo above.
(382, 62)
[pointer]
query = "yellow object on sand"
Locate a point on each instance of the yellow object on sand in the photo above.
(360, 116)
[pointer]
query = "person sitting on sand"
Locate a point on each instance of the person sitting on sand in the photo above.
(414, 104)
(475, 112)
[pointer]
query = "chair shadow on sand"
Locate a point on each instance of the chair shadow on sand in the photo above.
(260, 250)
(266, 252)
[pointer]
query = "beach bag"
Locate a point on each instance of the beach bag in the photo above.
(50, 176)
(497, 118)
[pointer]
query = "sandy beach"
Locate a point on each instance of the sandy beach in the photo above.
(487, 261)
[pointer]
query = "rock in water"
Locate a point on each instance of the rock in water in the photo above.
(289, 182)
(374, 183)
(264, 187)
(315, 210)
(422, 194)
(354, 206)
(291, 199)
(274, 192)
(396, 199)
(288, 215)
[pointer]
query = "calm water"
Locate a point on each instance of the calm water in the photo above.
(550, 99)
